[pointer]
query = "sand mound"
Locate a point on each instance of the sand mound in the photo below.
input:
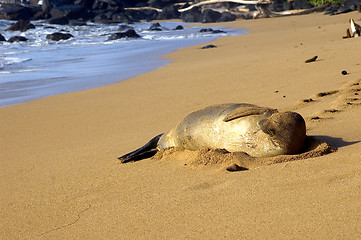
(238, 161)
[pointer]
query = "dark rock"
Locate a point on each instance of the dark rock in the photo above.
(15, 13)
(2, 38)
(210, 16)
(179, 27)
(146, 14)
(206, 30)
(88, 4)
(276, 6)
(59, 36)
(348, 6)
(41, 15)
(33, 9)
(311, 59)
(344, 72)
(193, 15)
(21, 25)
(297, 4)
(155, 27)
(185, 5)
(301, 4)
(114, 5)
(159, 3)
(17, 39)
(98, 4)
(77, 23)
(156, 3)
(218, 31)
(121, 17)
(102, 19)
(210, 30)
(58, 20)
(127, 34)
(236, 168)
(169, 12)
(48, 5)
(69, 11)
(331, 10)
(209, 46)
(151, 15)
(109, 14)
(288, 6)
(227, 17)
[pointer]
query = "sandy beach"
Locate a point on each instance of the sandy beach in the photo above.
(60, 177)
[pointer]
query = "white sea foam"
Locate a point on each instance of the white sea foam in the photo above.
(7, 61)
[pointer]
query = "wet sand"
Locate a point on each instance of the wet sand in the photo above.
(61, 178)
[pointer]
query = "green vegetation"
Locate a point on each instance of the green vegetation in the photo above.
(320, 2)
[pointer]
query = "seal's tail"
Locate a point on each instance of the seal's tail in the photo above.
(147, 151)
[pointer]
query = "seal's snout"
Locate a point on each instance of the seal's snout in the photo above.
(266, 127)
(289, 127)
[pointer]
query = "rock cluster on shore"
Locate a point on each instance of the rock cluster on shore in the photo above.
(78, 12)
(127, 11)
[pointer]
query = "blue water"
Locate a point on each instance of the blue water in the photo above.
(39, 68)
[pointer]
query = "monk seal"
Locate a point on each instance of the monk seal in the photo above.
(236, 127)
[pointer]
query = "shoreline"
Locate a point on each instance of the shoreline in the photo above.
(61, 178)
(86, 65)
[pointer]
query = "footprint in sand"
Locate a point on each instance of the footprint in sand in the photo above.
(348, 95)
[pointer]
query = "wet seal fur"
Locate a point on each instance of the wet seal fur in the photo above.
(254, 130)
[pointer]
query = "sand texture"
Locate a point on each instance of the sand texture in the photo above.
(60, 177)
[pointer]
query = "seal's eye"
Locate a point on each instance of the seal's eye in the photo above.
(271, 131)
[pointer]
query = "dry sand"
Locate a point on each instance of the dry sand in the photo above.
(60, 178)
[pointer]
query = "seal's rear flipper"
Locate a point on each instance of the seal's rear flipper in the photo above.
(147, 151)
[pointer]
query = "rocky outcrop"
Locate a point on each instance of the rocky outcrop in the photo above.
(17, 39)
(15, 13)
(211, 16)
(179, 27)
(297, 4)
(227, 17)
(123, 11)
(343, 6)
(21, 25)
(70, 11)
(143, 14)
(127, 34)
(193, 15)
(169, 12)
(57, 36)
(2, 38)
(155, 27)
(210, 30)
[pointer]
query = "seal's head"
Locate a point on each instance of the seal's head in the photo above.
(287, 129)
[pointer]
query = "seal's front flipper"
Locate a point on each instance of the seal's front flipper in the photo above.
(244, 111)
(147, 151)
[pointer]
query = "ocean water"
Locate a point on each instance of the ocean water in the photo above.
(39, 67)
